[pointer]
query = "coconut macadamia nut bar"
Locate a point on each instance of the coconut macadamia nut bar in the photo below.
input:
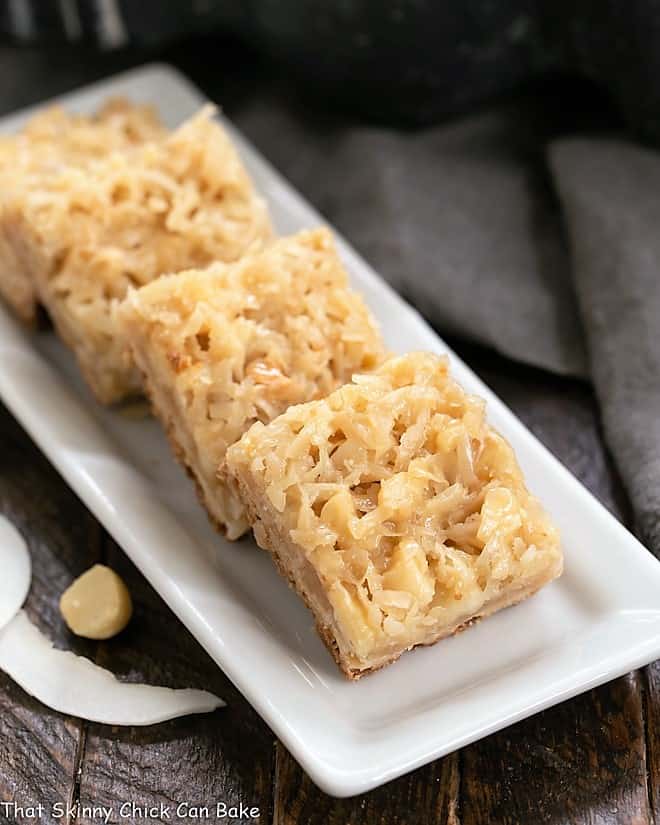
(238, 343)
(86, 235)
(397, 513)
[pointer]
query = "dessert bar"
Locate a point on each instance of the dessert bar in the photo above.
(395, 510)
(237, 343)
(88, 234)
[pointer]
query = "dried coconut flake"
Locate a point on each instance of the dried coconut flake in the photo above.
(76, 686)
(16, 571)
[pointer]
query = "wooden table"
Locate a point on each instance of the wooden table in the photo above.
(594, 759)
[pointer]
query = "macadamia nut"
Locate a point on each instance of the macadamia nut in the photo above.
(97, 605)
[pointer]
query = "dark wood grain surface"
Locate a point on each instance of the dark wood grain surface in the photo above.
(593, 760)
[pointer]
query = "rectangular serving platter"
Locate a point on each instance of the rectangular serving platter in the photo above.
(600, 620)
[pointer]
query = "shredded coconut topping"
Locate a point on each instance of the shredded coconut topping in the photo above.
(126, 219)
(240, 343)
(49, 143)
(411, 510)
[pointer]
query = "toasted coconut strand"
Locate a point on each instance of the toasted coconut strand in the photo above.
(74, 685)
(16, 571)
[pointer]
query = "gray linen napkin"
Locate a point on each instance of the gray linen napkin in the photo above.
(464, 221)
(611, 196)
(457, 218)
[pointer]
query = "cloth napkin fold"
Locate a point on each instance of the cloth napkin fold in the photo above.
(547, 250)
(610, 191)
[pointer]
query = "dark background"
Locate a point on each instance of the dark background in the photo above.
(407, 62)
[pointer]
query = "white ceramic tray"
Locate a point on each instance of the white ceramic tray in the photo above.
(601, 619)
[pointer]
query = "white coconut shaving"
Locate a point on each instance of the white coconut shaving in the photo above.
(63, 681)
(74, 685)
(16, 571)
